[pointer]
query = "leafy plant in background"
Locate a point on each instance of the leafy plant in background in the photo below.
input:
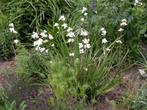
(49, 10)
(135, 16)
(31, 15)
(6, 39)
(28, 16)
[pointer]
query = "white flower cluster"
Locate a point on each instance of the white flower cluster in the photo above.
(121, 29)
(70, 34)
(62, 19)
(84, 32)
(104, 40)
(40, 39)
(85, 44)
(122, 24)
(16, 41)
(12, 30)
(69, 30)
(71, 54)
(103, 33)
(138, 2)
(84, 12)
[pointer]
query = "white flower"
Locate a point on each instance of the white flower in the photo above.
(81, 45)
(46, 51)
(16, 41)
(119, 41)
(142, 72)
(82, 19)
(51, 62)
(53, 45)
(71, 34)
(84, 9)
(85, 14)
(70, 40)
(138, 2)
(71, 54)
(35, 35)
(103, 31)
(62, 18)
(56, 25)
(44, 34)
(38, 42)
(45, 41)
(41, 49)
(13, 30)
(87, 46)
(108, 49)
(104, 41)
(50, 37)
(85, 41)
(84, 32)
(120, 30)
(64, 25)
(81, 51)
(123, 22)
(69, 29)
(86, 69)
(11, 25)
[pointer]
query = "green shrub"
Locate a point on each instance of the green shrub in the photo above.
(83, 74)
(82, 78)
(109, 14)
(31, 15)
(6, 39)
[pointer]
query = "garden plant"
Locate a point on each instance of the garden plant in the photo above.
(73, 54)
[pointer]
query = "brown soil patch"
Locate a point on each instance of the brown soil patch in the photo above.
(6, 64)
(131, 82)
